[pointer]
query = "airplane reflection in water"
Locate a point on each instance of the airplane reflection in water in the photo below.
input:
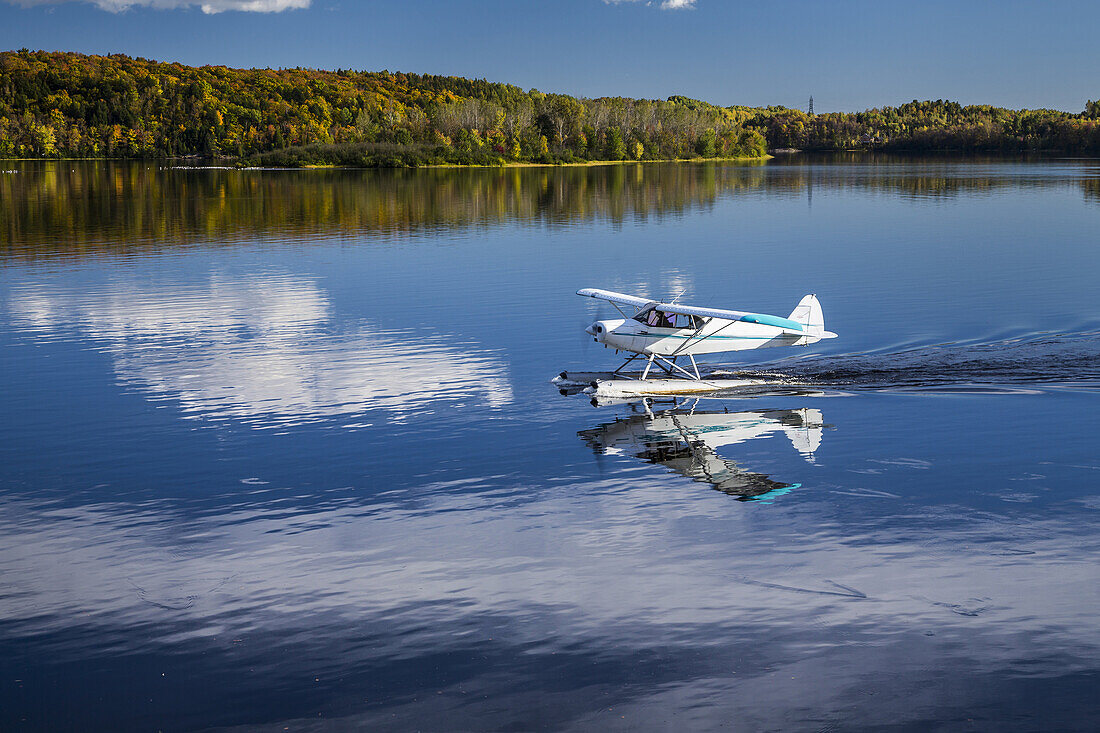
(687, 442)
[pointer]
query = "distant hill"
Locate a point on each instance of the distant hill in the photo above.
(75, 105)
(68, 104)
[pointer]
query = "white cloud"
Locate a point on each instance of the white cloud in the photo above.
(211, 7)
(664, 5)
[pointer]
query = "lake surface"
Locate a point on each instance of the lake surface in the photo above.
(279, 450)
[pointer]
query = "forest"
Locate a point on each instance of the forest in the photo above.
(931, 126)
(68, 105)
(72, 105)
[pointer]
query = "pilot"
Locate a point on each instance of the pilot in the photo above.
(658, 319)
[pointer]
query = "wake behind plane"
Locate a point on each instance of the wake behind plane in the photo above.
(663, 333)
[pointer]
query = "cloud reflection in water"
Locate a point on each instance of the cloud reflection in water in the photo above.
(738, 612)
(262, 350)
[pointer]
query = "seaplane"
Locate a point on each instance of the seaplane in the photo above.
(663, 333)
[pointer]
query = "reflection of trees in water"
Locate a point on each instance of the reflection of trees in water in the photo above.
(73, 206)
(930, 176)
(76, 207)
(1091, 187)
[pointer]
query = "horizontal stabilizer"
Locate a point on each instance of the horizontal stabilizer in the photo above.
(785, 323)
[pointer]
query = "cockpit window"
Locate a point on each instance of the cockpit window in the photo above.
(660, 319)
(685, 321)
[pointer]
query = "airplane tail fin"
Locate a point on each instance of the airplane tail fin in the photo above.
(808, 314)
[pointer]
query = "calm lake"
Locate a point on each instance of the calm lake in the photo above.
(279, 450)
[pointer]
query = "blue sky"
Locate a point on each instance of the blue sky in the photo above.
(849, 55)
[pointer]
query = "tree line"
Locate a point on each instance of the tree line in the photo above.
(934, 126)
(74, 105)
(68, 105)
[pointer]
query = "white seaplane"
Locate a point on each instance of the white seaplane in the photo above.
(662, 333)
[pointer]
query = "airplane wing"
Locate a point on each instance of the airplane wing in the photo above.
(614, 297)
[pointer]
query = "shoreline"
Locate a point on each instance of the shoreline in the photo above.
(228, 165)
(592, 163)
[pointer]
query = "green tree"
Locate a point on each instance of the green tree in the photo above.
(750, 144)
(616, 148)
(44, 140)
(706, 146)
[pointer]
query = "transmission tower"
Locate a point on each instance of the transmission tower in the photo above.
(811, 107)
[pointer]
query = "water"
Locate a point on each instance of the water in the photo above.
(279, 450)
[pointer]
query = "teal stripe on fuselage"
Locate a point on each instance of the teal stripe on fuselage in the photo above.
(772, 321)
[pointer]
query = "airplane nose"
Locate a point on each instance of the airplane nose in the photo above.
(591, 330)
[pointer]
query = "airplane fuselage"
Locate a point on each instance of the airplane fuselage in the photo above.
(716, 335)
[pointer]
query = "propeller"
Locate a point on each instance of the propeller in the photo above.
(589, 342)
